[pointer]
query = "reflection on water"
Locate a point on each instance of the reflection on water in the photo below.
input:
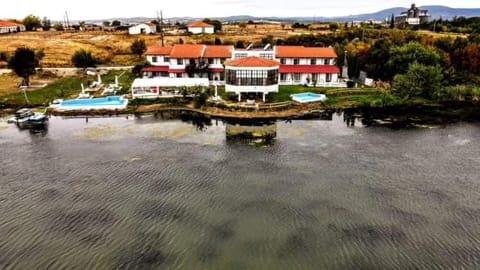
(260, 133)
(160, 193)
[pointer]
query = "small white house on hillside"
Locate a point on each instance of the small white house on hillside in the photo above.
(10, 27)
(200, 28)
(142, 28)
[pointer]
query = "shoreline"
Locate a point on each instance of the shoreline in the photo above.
(446, 109)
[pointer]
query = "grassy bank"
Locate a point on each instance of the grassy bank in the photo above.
(67, 87)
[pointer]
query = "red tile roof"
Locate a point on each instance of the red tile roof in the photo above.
(199, 24)
(187, 51)
(156, 69)
(158, 50)
(218, 51)
(309, 69)
(9, 24)
(181, 70)
(304, 52)
(251, 61)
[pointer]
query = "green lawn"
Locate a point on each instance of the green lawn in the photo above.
(67, 87)
(61, 88)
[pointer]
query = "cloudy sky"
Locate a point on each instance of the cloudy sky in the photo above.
(98, 9)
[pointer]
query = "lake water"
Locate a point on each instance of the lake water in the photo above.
(149, 193)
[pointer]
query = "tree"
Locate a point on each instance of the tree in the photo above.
(3, 56)
(401, 57)
(420, 80)
(31, 23)
(106, 23)
(84, 59)
(217, 25)
(377, 57)
(240, 45)
(46, 24)
(81, 25)
(333, 26)
(392, 22)
(39, 56)
(116, 23)
(138, 47)
(58, 27)
(218, 41)
(23, 63)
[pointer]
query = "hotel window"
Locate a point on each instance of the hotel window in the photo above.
(296, 61)
(296, 76)
(313, 61)
(211, 61)
(240, 55)
(327, 61)
(166, 59)
(283, 77)
(154, 59)
(283, 61)
(179, 75)
(180, 61)
(266, 55)
(328, 77)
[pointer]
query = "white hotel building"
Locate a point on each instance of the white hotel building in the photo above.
(290, 64)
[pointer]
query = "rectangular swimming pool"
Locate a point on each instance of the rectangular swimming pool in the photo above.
(308, 97)
(110, 102)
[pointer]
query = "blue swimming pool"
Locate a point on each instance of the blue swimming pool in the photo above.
(308, 97)
(110, 102)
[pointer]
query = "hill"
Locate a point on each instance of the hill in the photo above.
(436, 12)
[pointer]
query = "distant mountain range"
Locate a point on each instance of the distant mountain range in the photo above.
(435, 11)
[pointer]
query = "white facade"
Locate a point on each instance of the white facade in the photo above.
(142, 28)
(201, 30)
(307, 61)
(251, 79)
(317, 79)
(156, 87)
(242, 53)
(11, 27)
(313, 66)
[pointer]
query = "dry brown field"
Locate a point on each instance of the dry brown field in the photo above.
(114, 47)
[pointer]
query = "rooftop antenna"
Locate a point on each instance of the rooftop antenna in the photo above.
(160, 24)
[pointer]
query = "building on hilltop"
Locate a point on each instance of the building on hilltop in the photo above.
(200, 28)
(142, 28)
(413, 16)
(11, 27)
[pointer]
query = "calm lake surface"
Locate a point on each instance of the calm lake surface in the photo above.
(149, 193)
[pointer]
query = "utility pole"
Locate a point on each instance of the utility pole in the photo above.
(68, 21)
(160, 26)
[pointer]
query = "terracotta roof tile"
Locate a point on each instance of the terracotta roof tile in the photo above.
(218, 51)
(9, 24)
(304, 52)
(199, 24)
(187, 51)
(251, 61)
(158, 50)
